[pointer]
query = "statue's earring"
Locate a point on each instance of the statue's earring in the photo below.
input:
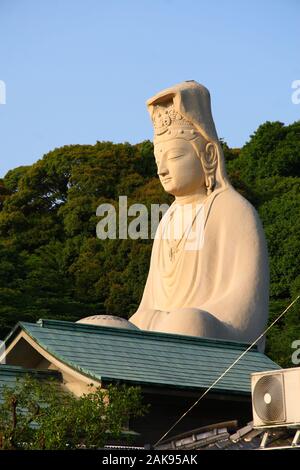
(209, 183)
(210, 165)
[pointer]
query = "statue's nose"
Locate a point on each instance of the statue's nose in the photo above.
(163, 172)
(162, 169)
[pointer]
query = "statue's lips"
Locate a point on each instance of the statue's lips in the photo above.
(166, 180)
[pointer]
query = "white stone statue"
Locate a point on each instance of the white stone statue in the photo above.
(218, 288)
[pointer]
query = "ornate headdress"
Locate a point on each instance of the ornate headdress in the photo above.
(182, 111)
(169, 123)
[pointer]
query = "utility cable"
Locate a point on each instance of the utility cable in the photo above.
(226, 371)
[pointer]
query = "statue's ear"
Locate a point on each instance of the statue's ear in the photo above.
(210, 162)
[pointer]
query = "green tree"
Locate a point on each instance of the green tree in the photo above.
(41, 415)
(273, 150)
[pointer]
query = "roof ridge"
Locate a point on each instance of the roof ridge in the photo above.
(81, 327)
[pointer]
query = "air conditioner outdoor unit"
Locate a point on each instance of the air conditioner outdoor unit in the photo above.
(276, 398)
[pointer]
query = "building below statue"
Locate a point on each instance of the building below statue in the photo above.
(172, 370)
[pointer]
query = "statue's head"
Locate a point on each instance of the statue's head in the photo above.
(186, 146)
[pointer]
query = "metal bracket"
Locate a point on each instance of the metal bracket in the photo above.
(296, 438)
(264, 440)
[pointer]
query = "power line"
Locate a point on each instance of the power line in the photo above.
(226, 371)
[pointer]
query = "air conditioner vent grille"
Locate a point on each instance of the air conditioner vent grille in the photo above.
(268, 398)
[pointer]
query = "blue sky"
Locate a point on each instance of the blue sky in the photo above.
(81, 71)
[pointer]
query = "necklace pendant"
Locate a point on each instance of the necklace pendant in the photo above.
(172, 252)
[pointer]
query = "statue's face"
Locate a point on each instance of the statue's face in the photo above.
(178, 166)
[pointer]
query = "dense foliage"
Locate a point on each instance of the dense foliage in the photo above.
(52, 265)
(39, 414)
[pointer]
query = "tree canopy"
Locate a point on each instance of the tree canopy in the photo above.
(40, 414)
(52, 265)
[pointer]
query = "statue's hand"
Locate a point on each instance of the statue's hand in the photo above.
(190, 321)
(184, 321)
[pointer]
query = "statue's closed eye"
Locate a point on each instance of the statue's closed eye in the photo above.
(171, 157)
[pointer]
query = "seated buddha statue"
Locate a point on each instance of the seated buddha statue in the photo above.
(217, 287)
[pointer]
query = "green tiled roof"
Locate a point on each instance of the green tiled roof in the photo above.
(147, 358)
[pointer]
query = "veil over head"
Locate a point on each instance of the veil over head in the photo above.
(192, 101)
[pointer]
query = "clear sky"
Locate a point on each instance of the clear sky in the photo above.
(78, 71)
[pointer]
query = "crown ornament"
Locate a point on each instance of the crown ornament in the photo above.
(168, 122)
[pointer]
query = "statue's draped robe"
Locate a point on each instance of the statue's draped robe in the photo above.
(226, 277)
